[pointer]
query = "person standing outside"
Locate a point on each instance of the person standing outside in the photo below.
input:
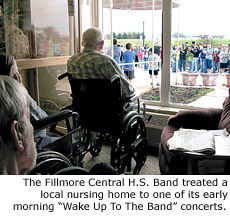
(116, 52)
(203, 62)
(157, 49)
(174, 57)
(146, 56)
(182, 58)
(140, 56)
(136, 54)
(129, 57)
(153, 66)
(216, 59)
(208, 57)
(195, 63)
(228, 63)
(223, 59)
(189, 58)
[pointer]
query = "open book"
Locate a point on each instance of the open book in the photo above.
(194, 140)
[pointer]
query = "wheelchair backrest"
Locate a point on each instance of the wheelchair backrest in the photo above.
(98, 103)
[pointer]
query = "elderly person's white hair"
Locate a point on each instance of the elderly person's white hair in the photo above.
(13, 104)
(92, 38)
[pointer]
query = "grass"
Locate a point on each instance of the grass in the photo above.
(155, 98)
(132, 41)
(176, 89)
(202, 93)
(182, 40)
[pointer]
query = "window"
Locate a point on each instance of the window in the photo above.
(194, 40)
(41, 35)
(133, 22)
(51, 25)
(177, 29)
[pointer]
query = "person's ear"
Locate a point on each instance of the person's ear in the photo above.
(17, 136)
(102, 44)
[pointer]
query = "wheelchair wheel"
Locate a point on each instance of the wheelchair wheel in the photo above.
(129, 153)
(48, 163)
(48, 167)
(51, 154)
(96, 147)
(72, 171)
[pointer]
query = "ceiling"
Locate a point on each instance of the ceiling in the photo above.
(138, 4)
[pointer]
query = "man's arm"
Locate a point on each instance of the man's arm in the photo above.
(109, 51)
(126, 88)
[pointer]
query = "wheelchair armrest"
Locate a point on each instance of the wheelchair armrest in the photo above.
(68, 107)
(140, 105)
(133, 98)
(114, 77)
(52, 119)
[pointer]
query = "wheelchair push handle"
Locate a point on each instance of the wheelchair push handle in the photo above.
(62, 76)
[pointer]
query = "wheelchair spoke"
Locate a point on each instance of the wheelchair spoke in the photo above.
(129, 152)
(96, 146)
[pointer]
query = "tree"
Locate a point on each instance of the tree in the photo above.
(181, 35)
(138, 35)
(124, 36)
(119, 36)
(114, 35)
(134, 35)
(51, 32)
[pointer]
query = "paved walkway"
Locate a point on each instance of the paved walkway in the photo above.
(212, 99)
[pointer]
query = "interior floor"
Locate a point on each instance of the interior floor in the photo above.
(151, 166)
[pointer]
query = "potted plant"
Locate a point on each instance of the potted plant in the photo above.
(228, 79)
(209, 79)
(189, 79)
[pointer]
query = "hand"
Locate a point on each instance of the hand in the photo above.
(15, 74)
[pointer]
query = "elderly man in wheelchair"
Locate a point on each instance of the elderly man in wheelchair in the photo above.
(18, 154)
(108, 108)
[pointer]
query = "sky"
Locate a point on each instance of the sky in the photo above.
(196, 17)
(205, 17)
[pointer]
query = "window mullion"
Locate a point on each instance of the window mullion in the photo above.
(165, 78)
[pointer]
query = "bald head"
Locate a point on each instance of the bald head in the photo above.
(93, 38)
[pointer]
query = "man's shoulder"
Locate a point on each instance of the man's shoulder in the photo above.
(89, 56)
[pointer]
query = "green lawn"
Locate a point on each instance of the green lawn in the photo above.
(133, 42)
(149, 42)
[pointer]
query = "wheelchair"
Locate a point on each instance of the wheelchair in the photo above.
(105, 118)
(64, 152)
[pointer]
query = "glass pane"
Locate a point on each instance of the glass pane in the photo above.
(196, 77)
(39, 29)
(36, 28)
(133, 23)
(15, 27)
(106, 24)
(85, 15)
(51, 27)
(54, 94)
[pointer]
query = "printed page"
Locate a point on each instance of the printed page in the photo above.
(192, 140)
(196, 140)
(222, 145)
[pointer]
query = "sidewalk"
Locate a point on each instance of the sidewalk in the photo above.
(212, 99)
